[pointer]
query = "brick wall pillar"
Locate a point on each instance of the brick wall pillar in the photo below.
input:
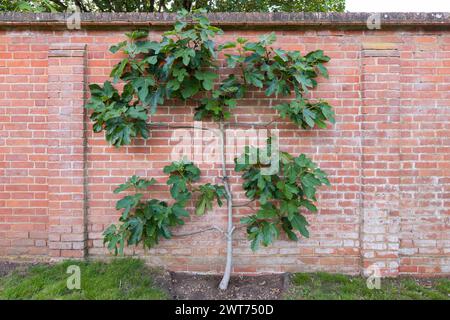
(380, 130)
(66, 145)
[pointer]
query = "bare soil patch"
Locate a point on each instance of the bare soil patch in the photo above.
(205, 287)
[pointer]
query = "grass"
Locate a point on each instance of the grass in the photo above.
(324, 286)
(120, 279)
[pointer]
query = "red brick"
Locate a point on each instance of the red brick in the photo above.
(386, 155)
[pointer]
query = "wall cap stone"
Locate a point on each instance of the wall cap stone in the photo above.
(231, 19)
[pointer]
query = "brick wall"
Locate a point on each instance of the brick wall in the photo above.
(388, 155)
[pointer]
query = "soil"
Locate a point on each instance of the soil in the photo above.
(205, 287)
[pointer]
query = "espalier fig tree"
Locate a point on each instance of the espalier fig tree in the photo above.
(183, 65)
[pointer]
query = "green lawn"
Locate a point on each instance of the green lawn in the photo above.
(119, 279)
(324, 286)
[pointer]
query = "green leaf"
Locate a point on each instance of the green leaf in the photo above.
(227, 45)
(128, 203)
(255, 243)
(281, 54)
(287, 227)
(179, 26)
(207, 78)
(233, 60)
(154, 99)
(151, 59)
(327, 112)
(208, 193)
(289, 207)
(117, 47)
(201, 207)
(309, 117)
(190, 88)
(179, 73)
(272, 88)
(179, 211)
(310, 181)
(267, 211)
(268, 39)
(308, 205)
(254, 79)
(265, 233)
(143, 184)
(137, 34)
(137, 112)
(186, 54)
(108, 90)
(173, 84)
(136, 227)
(142, 86)
(151, 47)
(122, 187)
(322, 70)
(248, 220)
(109, 232)
(261, 183)
(165, 232)
(304, 81)
(135, 182)
(299, 223)
(302, 161)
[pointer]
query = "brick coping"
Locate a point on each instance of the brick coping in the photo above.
(232, 19)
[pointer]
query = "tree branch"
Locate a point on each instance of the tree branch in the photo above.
(245, 204)
(186, 234)
(239, 227)
(169, 126)
(245, 124)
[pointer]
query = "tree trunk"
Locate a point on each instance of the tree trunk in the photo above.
(229, 233)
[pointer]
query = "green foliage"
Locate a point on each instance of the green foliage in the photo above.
(281, 194)
(179, 66)
(113, 113)
(181, 175)
(222, 100)
(208, 193)
(175, 5)
(120, 279)
(278, 5)
(135, 182)
(35, 6)
(306, 114)
(182, 65)
(279, 73)
(146, 221)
